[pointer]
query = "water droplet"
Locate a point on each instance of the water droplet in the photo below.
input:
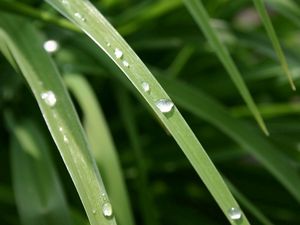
(51, 46)
(49, 98)
(94, 211)
(108, 44)
(79, 16)
(107, 209)
(125, 63)
(65, 2)
(164, 105)
(145, 86)
(66, 140)
(234, 213)
(60, 129)
(118, 53)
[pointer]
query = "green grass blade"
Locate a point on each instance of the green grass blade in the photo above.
(259, 4)
(87, 17)
(102, 146)
(39, 195)
(201, 17)
(145, 195)
(203, 106)
(42, 76)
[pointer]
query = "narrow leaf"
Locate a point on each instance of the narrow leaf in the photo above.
(201, 17)
(86, 16)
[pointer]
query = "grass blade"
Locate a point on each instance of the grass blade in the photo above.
(145, 195)
(102, 147)
(60, 116)
(259, 4)
(87, 17)
(38, 191)
(203, 106)
(200, 15)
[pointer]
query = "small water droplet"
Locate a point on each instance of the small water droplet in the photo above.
(49, 98)
(234, 213)
(118, 53)
(145, 86)
(164, 105)
(125, 63)
(80, 17)
(107, 210)
(66, 140)
(60, 129)
(51, 46)
(94, 211)
(65, 2)
(108, 44)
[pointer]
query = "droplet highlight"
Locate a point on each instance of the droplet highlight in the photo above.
(108, 44)
(49, 98)
(145, 86)
(80, 17)
(235, 213)
(94, 211)
(107, 210)
(51, 46)
(125, 63)
(118, 53)
(164, 105)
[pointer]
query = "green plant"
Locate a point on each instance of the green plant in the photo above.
(115, 73)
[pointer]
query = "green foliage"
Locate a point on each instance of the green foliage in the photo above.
(62, 172)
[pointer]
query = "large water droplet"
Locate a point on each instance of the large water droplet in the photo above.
(118, 53)
(164, 105)
(49, 98)
(145, 86)
(107, 210)
(125, 63)
(235, 213)
(80, 17)
(51, 46)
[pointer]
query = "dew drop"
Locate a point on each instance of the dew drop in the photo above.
(60, 129)
(80, 17)
(118, 53)
(107, 210)
(66, 140)
(108, 44)
(65, 2)
(49, 98)
(164, 105)
(94, 211)
(125, 63)
(51, 46)
(234, 213)
(145, 86)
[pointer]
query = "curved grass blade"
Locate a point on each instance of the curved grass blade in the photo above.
(267, 154)
(102, 146)
(259, 4)
(87, 17)
(43, 78)
(39, 195)
(201, 17)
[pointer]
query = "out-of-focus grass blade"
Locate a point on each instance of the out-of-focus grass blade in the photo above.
(43, 78)
(87, 17)
(145, 196)
(38, 192)
(201, 17)
(102, 146)
(248, 205)
(259, 4)
(268, 155)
